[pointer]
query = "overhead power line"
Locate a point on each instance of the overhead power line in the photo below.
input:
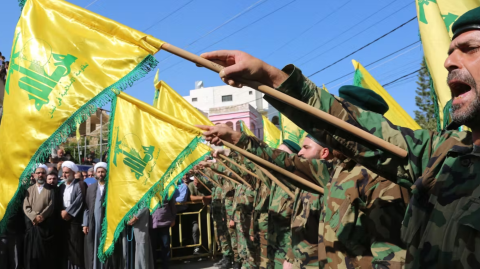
(241, 29)
(308, 29)
(254, 5)
(409, 74)
(367, 45)
(170, 14)
(251, 7)
(323, 44)
(376, 61)
(93, 2)
(248, 25)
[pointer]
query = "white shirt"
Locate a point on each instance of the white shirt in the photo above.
(102, 188)
(40, 188)
(67, 195)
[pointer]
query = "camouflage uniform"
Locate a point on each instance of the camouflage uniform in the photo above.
(442, 169)
(279, 233)
(219, 216)
(242, 208)
(304, 216)
(260, 215)
(305, 223)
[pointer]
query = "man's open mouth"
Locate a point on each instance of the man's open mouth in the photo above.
(459, 89)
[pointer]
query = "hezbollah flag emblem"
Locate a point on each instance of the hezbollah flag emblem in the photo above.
(396, 114)
(65, 62)
(150, 151)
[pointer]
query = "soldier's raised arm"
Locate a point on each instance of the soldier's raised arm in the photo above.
(290, 80)
(312, 170)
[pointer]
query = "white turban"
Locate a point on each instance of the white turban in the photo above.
(101, 165)
(70, 165)
(41, 165)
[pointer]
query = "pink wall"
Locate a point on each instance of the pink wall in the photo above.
(247, 117)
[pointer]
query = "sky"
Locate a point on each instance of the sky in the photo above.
(311, 34)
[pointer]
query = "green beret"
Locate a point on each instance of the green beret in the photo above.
(294, 147)
(467, 22)
(363, 98)
(324, 145)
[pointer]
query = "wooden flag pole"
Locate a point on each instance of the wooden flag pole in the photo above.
(380, 143)
(280, 184)
(204, 184)
(273, 167)
(229, 178)
(218, 185)
(239, 166)
(236, 175)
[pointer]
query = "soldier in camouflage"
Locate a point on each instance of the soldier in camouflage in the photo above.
(302, 229)
(306, 208)
(441, 226)
(280, 214)
(259, 225)
(219, 217)
(242, 208)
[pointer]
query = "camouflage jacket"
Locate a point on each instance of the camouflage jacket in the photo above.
(306, 205)
(244, 197)
(280, 203)
(216, 192)
(439, 227)
(261, 185)
(356, 205)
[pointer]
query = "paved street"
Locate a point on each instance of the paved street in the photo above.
(193, 265)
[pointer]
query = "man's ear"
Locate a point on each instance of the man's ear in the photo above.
(324, 153)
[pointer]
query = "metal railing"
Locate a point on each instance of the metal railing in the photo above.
(212, 246)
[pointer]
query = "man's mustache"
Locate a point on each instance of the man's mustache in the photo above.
(462, 76)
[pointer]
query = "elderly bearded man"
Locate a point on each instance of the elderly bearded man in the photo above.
(38, 207)
(72, 192)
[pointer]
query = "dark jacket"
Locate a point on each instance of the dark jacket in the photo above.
(77, 200)
(165, 215)
(89, 221)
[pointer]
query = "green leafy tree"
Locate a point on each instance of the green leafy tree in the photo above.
(425, 116)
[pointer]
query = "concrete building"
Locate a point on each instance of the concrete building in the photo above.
(206, 98)
(232, 115)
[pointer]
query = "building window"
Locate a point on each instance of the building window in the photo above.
(250, 92)
(194, 99)
(226, 98)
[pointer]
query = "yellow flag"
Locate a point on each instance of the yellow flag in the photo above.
(435, 19)
(396, 114)
(149, 152)
(271, 134)
(290, 131)
(325, 88)
(64, 63)
(173, 104)
(245, 129)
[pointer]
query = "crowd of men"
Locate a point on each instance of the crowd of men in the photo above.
(59, 225)
(367, 208)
